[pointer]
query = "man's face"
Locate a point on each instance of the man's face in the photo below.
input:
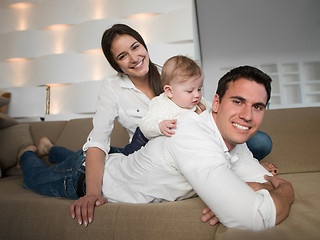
(240, 112)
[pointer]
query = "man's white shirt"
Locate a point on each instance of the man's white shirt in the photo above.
(194, 160)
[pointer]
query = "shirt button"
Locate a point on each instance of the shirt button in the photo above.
(138, 110)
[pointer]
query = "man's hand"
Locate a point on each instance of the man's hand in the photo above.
(282, 195)
(166, 127)
(258, 186)
(208, 215)
(83, 208)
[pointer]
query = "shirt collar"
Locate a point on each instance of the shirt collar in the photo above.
(126, 82)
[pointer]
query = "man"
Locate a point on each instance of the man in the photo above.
(207, 156)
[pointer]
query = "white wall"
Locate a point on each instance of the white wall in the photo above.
(56, 43)
(269, 34)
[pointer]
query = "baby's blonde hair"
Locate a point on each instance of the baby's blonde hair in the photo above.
(179, 66)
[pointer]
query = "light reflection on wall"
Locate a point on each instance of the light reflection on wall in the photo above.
(19, 71)
(97, 69)
(98, 9)
(23, 13)
(59, 34)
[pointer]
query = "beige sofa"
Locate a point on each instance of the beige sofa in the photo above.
(27, 215)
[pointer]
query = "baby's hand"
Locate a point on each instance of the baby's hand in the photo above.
(166, 126)
(200, 108)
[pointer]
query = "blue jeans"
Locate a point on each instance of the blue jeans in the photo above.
(59, 180)
(138, 141)
(260, 145)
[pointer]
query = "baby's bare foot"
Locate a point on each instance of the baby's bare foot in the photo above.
(44, 146)
(29, 148)
(270, 168)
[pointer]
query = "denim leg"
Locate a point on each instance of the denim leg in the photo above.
(58, 154)
(115, 150)
(138, 141)
(59, 180)
(260, 145)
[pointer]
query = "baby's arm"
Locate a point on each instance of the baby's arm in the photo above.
(149, 123)
(166, 127)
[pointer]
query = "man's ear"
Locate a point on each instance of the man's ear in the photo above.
(215, 103)
(168, 90)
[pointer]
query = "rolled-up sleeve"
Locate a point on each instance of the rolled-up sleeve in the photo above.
(103, 120)
(200, 156)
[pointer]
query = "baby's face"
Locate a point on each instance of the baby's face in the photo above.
(187, 94)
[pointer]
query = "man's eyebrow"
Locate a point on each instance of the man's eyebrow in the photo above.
(239, 98)
(244, 100)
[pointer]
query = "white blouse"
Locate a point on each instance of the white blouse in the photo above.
(118, 99)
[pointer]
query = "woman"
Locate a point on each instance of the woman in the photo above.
(124, 97)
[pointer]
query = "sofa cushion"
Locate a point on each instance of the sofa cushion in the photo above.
(12, 140)
(75, 133)
(4, 101)
(303, 221)
(6, 121)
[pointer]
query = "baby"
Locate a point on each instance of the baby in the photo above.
(182, 80)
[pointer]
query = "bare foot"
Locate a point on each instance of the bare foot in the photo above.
(44, 146)
(270, 168)
(29, 148)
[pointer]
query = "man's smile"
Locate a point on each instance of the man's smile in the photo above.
(241, 127)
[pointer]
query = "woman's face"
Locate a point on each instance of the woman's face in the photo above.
(131, 56)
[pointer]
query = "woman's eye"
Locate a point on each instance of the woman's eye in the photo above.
(121, 57)
(135, 46)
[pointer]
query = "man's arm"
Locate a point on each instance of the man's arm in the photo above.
(280, 190)
(205, 164)
(282, 195)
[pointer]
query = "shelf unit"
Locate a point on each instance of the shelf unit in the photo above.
(294, 84)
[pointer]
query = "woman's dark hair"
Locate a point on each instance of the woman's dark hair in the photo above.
(122, 29)
(247, 72)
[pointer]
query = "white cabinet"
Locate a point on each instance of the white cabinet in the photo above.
(295, 84)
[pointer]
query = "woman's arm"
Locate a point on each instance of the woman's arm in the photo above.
(83, 208)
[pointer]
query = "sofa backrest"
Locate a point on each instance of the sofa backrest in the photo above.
(296, 139)
(73, 134)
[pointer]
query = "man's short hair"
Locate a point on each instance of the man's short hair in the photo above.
(247, 72)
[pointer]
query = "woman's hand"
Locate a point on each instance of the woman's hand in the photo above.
(83, 208)
(166, 127)
(208, 215)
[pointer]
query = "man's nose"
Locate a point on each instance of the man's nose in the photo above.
(246, 113)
